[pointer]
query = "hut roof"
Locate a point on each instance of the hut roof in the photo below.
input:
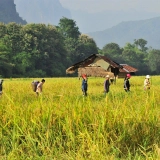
(89, 61)
(128, 69)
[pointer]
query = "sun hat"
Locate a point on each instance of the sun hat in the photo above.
(147, 76)
(128, 75)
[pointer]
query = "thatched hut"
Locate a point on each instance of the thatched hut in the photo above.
(94, 71)
(97, 66)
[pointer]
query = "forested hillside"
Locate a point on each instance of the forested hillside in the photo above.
(8, 12)
(39, 50)
(136, 54)
(129, 31)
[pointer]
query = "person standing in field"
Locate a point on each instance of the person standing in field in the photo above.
(84, 84)
(1, 87)
(39, 87)
(147, 83)
(106, 85)
(34, 85)
(127, 83)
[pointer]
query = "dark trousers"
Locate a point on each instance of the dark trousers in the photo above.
(84, 93)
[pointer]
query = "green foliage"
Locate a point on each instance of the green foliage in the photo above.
(113, 51)
(86, 46)
(42, 50)
(68, 28)
(3, 30)
(141, 43)
(13, 37)
(129, 56)
(154, 61)
(45, 46)
(5, 65)
(78, 46)
(136, 55)
(35, 50)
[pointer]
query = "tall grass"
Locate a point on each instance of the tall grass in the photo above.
(61, 124)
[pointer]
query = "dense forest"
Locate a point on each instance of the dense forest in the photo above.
(39, 50)
(146, 60)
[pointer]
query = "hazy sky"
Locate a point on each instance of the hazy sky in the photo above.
(100, 5)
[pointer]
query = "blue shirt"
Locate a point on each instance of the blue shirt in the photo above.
(84, 85)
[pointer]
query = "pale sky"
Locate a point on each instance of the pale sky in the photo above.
(101, 5)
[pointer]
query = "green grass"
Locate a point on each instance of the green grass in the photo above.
(61, 124)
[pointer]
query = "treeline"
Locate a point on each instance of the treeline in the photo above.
(39, 50)
(146, 60)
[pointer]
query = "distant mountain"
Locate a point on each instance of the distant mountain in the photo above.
(42, 11)
(8, 12)
(92, 22)
(128, 31)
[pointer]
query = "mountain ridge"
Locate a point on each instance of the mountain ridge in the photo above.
(120, 33)
(127, 31)
(92, 22)
(8, 12)
(46, 11)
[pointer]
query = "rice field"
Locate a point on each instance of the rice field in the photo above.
(61, 124)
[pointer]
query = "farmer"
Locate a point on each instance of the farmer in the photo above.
(84, 84)
(34, 85)
(127, 83)
(106, 85)
(147, 83)
(39, 87)
(111, 80)
(1, 87)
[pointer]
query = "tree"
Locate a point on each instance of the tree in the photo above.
(5, 65)
(154, 61)
(13, 37)
(3, 30)
(67, 27)
(70, 33)
(141, 43)
(56, 51)
(46, 47)
(86, 46)
(129, 56)
(113, 51)
(136, 58)
(129, 46)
